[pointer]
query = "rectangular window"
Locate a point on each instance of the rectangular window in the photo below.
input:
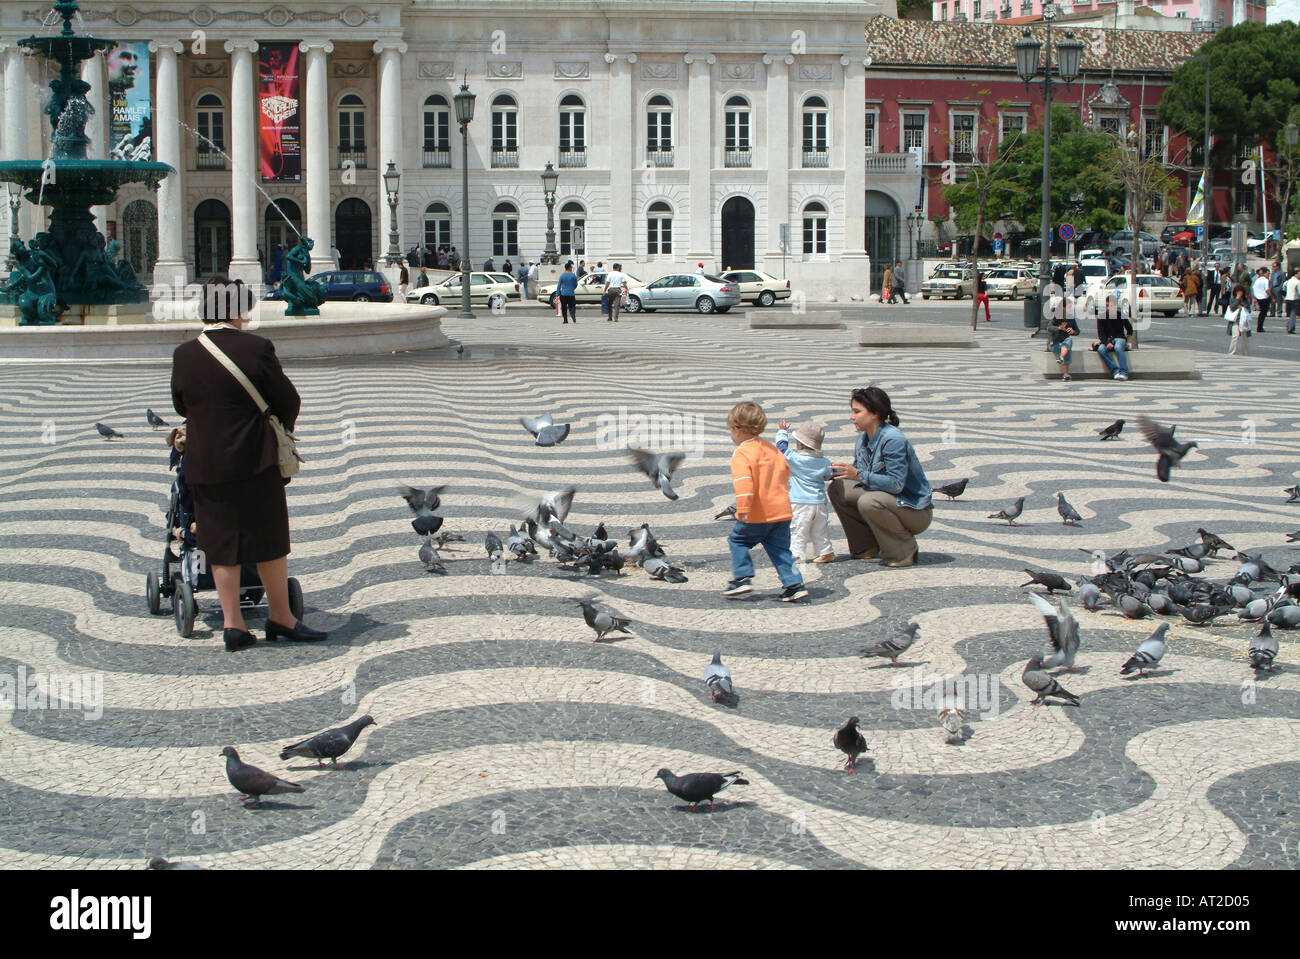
(943, 11)
(1013, 124)
(505, 237)
(1245, 204)
(573, 136)
(913, 131)
(976, 10)
(814, 131)
(871, 131)
(1155, 203)
(504, 131)
(963, 137)
(436, 130)
(814, 234)
(1110, 125)
(573, 233)
(659, 131)
(659, 236)
(737, 130)
(1153, 139)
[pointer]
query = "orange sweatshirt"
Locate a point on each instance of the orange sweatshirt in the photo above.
(762, 480)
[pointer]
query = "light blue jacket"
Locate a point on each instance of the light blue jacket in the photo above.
(889, 464)
(808, 474)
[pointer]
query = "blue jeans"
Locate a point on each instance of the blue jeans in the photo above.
(1120, 363)
(775, 538)
(1067, 345)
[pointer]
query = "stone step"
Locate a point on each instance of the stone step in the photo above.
(902, 335)
(760, 319)
(1144, 364)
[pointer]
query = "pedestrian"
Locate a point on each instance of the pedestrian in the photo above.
(1259, 289)
(1062, 343)
(1058, 277)
(444, 263)
(582, 269)
(699, 269)
(982, 295)
(335, 256)
(507, 267)
(887, 285)
(1238, 317)
(522, 277)
(413, 256)
(1191, 286)
(488, 265)
(760, 476)
(566, 289)
(277, 263)
(1292, 294)
(1113, 331)
(810, 471)
(882, 498)
(232, 461)
(532, 277)
(423, 278)
(1210, 291)
(1276, 287)
(453, 260)
(403, 281)
(615, 289)
(900, 282)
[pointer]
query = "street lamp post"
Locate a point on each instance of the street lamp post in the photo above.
(549, 179)
(911, 234)
(15, 202)
(464, 101)
(391, 181)
(1069, 52)
(1292, 133)
(1206, 191)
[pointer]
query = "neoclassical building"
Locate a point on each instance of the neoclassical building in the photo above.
(710, 131)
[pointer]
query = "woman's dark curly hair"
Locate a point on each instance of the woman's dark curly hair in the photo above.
(876, 400)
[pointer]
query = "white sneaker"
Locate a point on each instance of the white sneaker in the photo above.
(1121, 376)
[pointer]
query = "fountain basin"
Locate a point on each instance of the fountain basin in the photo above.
(80, 180)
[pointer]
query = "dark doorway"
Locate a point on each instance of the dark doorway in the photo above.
(737, 234)
(140, 237)
(352, 235)
(211, 239)
(881, 235)
(283, 227)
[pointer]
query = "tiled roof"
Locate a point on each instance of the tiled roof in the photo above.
(944, 43)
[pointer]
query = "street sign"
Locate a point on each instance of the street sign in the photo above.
(785, 237)
(997, 236)
(1067, 231)
(1200, 230)
(997, 243)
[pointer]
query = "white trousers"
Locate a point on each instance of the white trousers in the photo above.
(810, 522)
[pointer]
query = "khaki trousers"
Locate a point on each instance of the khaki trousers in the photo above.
(873, 520)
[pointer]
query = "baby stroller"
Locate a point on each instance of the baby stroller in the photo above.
(184, 572)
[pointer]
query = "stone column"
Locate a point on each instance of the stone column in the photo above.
(390, 146)
(778, 156)
(316, 145)
(244, 168)
(92, 72)
(700, 161)
(171, 268)
(622, 160)
(18, 92)
(855, 160)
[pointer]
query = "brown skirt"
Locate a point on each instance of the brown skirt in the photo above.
(246, 521)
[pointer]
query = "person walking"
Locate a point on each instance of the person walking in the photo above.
(488, 266)
(615, 287)
(900, 282)
(1210, 291)
(810, 471)
(582, 269)
(887, 285)
(532, 278)
(335, 256)
(1238, 317)
(507, 267)
(566, 289)
(982, 295)
(1291, 292)
(1259, 290)
(232, 459)
(699, 269)
(882, 498)
(522, 277)
(403, 281)
(1277, 287)
(1191, 284)
(423, 279)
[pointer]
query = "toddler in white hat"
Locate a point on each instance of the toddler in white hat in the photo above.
(809, 474)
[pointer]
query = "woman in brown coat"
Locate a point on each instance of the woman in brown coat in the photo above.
(231, 461)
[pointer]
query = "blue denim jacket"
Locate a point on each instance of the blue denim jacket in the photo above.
(888, 463)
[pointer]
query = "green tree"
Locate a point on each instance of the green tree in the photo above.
(906, 6)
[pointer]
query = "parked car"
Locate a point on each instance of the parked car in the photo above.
(1096, 272)
(1093, 238)
(757, 287)
(590, 289)
(949, 280)
(1122, 242)
(360, 286)
(1013, 282)
(1173, 229)
(684, 291)
(494, 289)
(1157, 294)
(1185, 238)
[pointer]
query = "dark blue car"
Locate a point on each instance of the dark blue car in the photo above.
(361, 286)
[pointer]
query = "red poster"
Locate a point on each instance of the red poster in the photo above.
(277, 97)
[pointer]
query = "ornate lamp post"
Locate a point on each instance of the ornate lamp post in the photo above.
(1292, 133)
(549, 179)
(391, 181)
(911, 235)
(1069, 52)
(464, 101)
(15, 202)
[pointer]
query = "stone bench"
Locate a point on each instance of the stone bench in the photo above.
(928, 335)
(785, 320)
(1148, 363)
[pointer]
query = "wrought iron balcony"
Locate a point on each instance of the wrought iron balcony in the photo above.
(505, 158)
(738, 158)
(816, 158)
(659, 157)
(210, 160)
(576, 157)
(356, 153)
(437, 158)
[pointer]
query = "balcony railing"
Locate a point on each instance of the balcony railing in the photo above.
(890, 163)
(505, 158)
(357, 155)
(738, 158)
(816, 158)
(572, 158)
(437, 158)
(659, 157)
(210, 160)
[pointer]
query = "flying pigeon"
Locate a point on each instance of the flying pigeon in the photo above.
(330, 744)
(544, 429)
(1290, 537)
(1262, 651)
(423, 503)
(1148, 654)
(108, 432)
(1287, 617)
(549, 506)
(953, 490)
(951, 717)
(154, 419)
(158, 862)
(1213, 542)
(851, 742)
(1063, 630)
(519, 544)
(1112, 432)
(697, 787)
(601, 621)
(1043, 577)
(730, 513)
(430, 558)
(1011, 512)
(659, 569)
(718, 678)
(254, 782)
(659, 467)
(895, 647)
(1068, 513)
(495, 550)
(1293, 493)
(1044, 683)
(1171, 451)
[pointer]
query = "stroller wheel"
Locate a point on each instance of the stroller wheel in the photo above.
(153, 592)
(184, 607)
(295, 597)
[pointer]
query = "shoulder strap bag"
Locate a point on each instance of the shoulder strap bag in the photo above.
(286, 443)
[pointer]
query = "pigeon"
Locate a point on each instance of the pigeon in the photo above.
(1195, 551)
(1200, 615)
(330, 744)
(254, 782)
(1044, 683)
(1241, 595)
(642, 543)
(659, 467)
(718, 678)
(108, 432)
(550, 506)
(1290, 537)
(1265, 571)
(430, 558)
(1160, 603)
(1262, 651)
(1293, 493)
(1068, 513)
(495, 550)
(1131, 606)
(1112, 432)
(600, 533)
(544, 429)
(1011, 512)
(1148, 654)
(612, 560)
(539, 535)
(1213, 542)
(951, 717)
(851, 742)
(661, 570)
(154, 419)
(1089, 596)
(1171, 451)
(1287, 617)
(697, 787)
(1254, 611)
(953, 490)
(423, 503)
(444, 538)
(1117, 561)
(520, 545)
(1043, 577)
(1063, 629)
(895, 647)
(730, 513)
(158, 862)
(1186, 564)
(601, 621)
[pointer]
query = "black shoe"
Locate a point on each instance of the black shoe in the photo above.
(237, 639)
(737, 587)
(792, 593)
(301, 632)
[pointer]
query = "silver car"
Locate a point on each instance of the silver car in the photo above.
(684, 291)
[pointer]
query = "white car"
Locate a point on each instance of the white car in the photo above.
(1155, 293)
(494, 289)
(1096, 271)
(946, 281)
(762, 288)
(1012, 282)
(590, 289)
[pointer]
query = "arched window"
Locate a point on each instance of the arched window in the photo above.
(659, 131)
(352, 130)
(437, 127)
(211, 126)
(659, 229)
(505, 230)
(437, 226)
(814, 228)
(816, 149)
(505, 131)
(573, 131)
(736, 132)
(573, 229)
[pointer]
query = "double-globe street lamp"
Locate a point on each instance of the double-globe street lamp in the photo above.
(464, 101)
(1069, 52)
(549, 180)
(391, 181)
